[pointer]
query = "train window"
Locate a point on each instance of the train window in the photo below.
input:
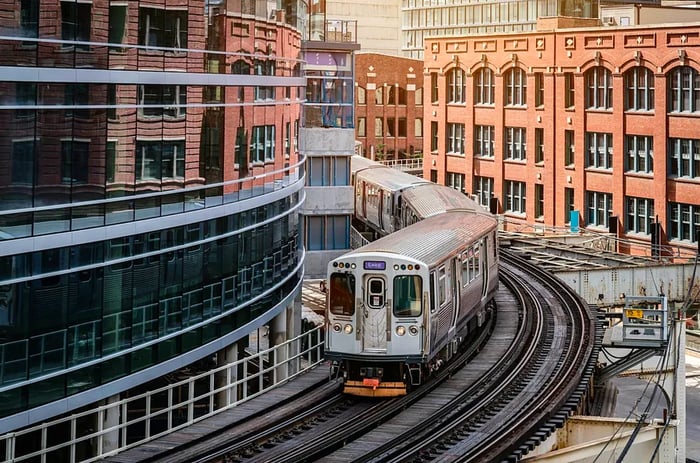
(432, 291)
(342, 294)
(407, 295)
(375, 293)
(442, 286)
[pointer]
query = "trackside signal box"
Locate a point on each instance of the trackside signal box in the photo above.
(645, 320)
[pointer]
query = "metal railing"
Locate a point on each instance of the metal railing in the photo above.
(90, 436)
(404, 164)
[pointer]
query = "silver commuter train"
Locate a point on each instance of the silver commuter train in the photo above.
(399, 307)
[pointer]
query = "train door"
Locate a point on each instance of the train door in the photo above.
(374, 316)
(361, 201)
(380, 210)
(456, 287)
(484, 263)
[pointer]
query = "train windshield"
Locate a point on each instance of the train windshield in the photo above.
(407, 295)
(342, 294)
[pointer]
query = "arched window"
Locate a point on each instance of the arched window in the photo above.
(684, 90)
(639, 84)
(484, 87)
(455, 86)
(516, 87)
(361, 95)
(599, 88)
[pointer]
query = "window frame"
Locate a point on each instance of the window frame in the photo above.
(599, 85)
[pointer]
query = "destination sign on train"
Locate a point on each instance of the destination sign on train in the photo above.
(375, 265)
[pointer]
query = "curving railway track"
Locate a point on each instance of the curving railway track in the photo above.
(504, 394)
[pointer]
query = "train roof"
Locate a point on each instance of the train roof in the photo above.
(360, 162)
(432, 239)
(389, 179)
(430, 199)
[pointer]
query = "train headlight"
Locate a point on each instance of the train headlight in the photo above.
(336, 327)
(348, 329)
(353, 265)
(400, 330)
(413, 330)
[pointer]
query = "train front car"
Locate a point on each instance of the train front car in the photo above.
(400, 307)
(376, 317)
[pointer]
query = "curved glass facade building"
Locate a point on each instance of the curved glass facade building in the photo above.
(150, 185)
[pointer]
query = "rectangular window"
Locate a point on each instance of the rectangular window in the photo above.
(266, 67)
(402, 127)
(29, 18)
(328, 171)
(599, 208)
(568, 204)
(76, 95)
(484, 141)
(23, 162)
(433, 175)
(483, 189)
(262, 146)
(390, 127)
(379, 96)
(455, 86)
(539, 201)
(516, 87)
(600, 150)
(569, 88)
(361, 96)
(569, 148)
(639, 82)
(74, 161)
(361, 127)
(539, 89)
(515, 197)
(167, 101)
(683, 222)
(515, 145)
(110, 161)
(419, 96)
(639, 216)
(163, 28)
(455, 138)
(433, 136)
(418, 127)
(327, 232)
(434, 87)
(455, 180)
(287, 138)
(378, 127)
(117, 25)
(25, 95)
(159, 160)
(683, 157)
(640, 153)
(539, 145)
(75, 24)
(484, 87)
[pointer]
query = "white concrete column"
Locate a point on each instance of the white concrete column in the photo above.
(227, 376)
(679, 393)
(278, 335)
(110, 418)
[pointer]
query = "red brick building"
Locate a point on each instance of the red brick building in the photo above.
(602, 121)
(389, 105)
